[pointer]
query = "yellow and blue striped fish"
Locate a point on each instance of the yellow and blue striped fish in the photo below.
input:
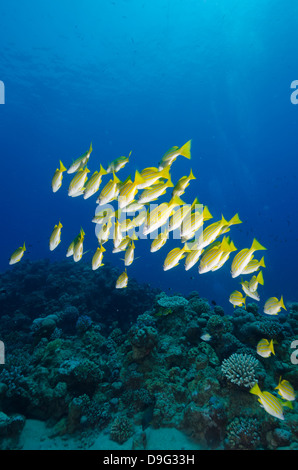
(237, 299)
(272, 404)
(128, 191)
(254, 265)
(151, 175)
(245, 286)
(211, 257)
(193, 222)
(122, 280)
(76, 187)
(182, 184)
(255, 280)
(273, 306)
(118, 163)
(170, 156)
(242, 258)
(152, 193)
(110, 191)
(159, 241)
(213, 231)
(286, 390)
(17, 254)
(92, 185)
(265, 348)
(174, 256)
(80, 162)
(97, 258)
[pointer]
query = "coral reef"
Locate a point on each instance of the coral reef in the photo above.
(84, 358)
(240, 369)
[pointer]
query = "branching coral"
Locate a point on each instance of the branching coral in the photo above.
(121, 429)
(243, 433)
(240, 369)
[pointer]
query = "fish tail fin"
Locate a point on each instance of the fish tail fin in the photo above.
(271, 347)
(90, 148)
(257, 246)
(177, 200)
(232, 246)
(235, 220)
(288, 404)
(185, 150)
(191, 175)
(206, 213)
(102, 171)
(165, 173)
(60, 225)
(169, 184)
(260, 278)
(255, 390)
(62, 167)
(281, 303)
(24, 247)
(115, 178)
(262, 262)
(138, 178)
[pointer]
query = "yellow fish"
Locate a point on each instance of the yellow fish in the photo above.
(271, 404)
(57, 178)
(55, 237)
(244, 256)
(152, 175)
(129, 190)
(160, 215)
(159, 241)
(104, 232)
(255, 280)
(170, 156)
(117, 236)
(124, 243)
(110, 191)
(273, 305)
(180, 214)
(17, 254)
(245, 286)
(182, 184)
(133, 207)
(140, 219)
(225, 256)
(237, 299)
(192, 258)
(265, 348)
(154, 192)
(122, 280)
(71, 246)
(211, 257)
(216, 229)
(103, 215)
(285, 390)
(174, 256)
(92, 186)
(118, 163)
(78, 247)
(97, 257)
(80, 162)
(193, 222)
(129, 254)
(76, 187)
(254, 265)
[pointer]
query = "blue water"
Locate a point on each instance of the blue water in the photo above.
(143, 76)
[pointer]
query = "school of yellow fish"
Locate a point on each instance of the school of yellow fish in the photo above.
(200, 246)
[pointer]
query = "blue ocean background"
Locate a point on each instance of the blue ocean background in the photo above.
(143, 76)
